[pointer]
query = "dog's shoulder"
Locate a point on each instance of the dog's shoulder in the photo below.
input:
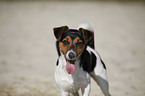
(88, 61)
(90, 58)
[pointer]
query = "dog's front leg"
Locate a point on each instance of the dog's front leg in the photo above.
(75, 94)
(63, 93)
(86, 89)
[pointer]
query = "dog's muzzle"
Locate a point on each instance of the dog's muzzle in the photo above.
(71, 55)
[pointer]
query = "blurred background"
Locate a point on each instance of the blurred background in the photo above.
(27, 44)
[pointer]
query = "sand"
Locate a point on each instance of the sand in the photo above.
(27, 44)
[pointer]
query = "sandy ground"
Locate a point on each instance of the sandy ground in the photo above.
(28, 53)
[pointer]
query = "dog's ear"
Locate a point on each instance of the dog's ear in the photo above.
(88, 35)
(58, 31)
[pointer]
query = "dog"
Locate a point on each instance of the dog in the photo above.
(78, 61)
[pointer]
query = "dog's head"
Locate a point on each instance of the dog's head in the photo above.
(72, 42)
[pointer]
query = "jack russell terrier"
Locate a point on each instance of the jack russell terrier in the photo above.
(78, 61)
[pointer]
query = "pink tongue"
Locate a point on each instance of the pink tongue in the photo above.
(70, 68)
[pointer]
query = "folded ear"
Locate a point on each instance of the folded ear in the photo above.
(88, 37)
(58, 31)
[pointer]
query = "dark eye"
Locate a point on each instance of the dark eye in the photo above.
(65, 42)
(80, 43)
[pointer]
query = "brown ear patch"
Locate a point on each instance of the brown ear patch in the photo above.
(58, 31)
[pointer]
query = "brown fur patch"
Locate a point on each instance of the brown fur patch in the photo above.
(64, 48)
(79, 46)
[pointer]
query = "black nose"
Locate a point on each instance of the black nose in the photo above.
(71, 55)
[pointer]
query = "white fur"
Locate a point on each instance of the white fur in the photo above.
(71, 83)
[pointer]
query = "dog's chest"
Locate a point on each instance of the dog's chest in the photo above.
(70, 82)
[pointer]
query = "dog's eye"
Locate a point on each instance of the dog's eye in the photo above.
(65, 42)
(80, 43)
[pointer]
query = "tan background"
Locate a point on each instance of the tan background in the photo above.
(27, 44)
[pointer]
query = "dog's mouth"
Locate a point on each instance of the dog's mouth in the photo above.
(71, 61)
(70, 66)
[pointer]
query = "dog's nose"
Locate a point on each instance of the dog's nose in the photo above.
(71, 55)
